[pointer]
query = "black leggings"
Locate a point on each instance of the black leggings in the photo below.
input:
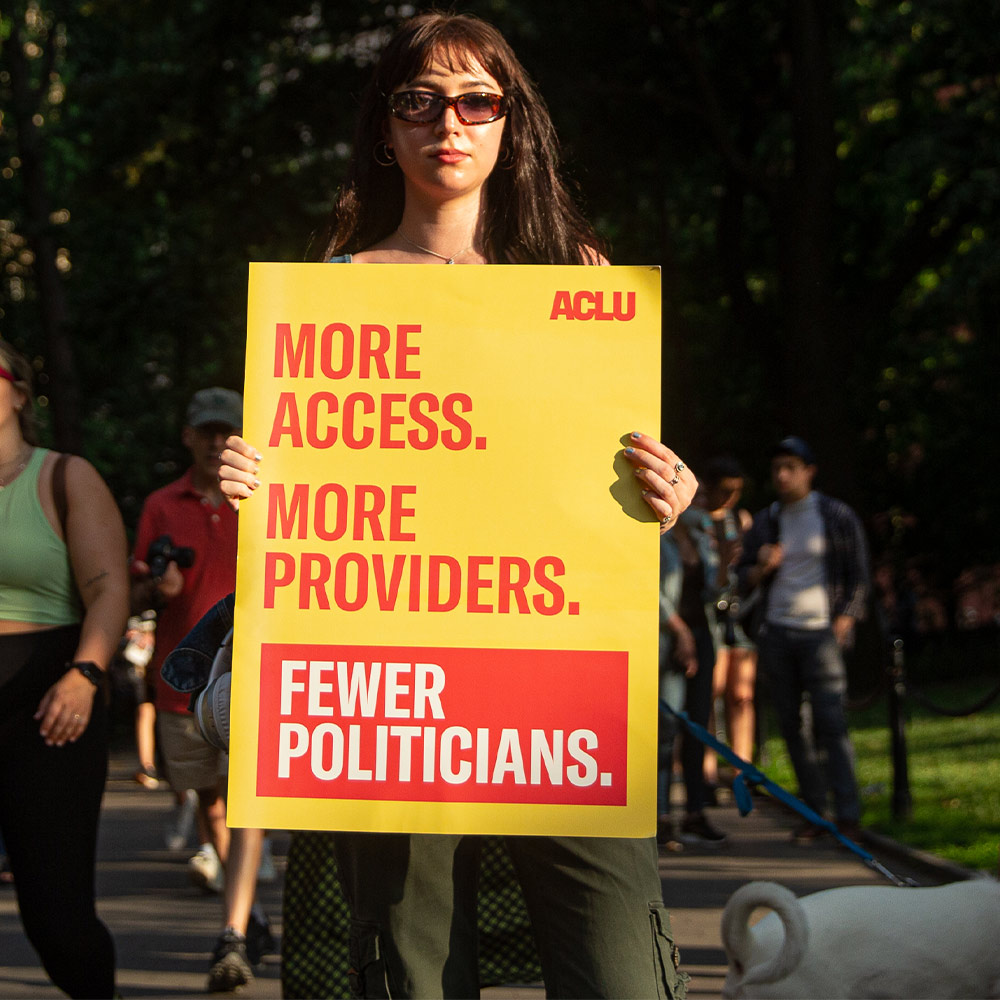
(50, 799)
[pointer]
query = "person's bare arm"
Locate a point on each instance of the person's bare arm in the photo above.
(95, 539)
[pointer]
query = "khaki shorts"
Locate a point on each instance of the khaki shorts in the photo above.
(192, 762)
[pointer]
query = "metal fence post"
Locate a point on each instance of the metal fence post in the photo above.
(902, 801)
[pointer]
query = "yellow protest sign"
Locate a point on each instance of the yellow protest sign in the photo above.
(446, 613)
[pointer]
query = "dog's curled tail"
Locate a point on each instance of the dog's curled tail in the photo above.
(736, 933)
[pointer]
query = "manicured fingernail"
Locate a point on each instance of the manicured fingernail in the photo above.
(257, 457)
(255, 484)
(630, 451)
(636, 435)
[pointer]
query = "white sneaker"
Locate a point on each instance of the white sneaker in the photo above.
(181, 825)
(266, 872)
(205, 870)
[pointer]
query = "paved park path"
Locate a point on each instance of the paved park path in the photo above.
(164, 929)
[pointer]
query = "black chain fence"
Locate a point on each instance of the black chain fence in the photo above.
(898, 688)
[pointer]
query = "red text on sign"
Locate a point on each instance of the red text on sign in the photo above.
(331, 512)
(363, 420)
(340, 352)
(350, 581)
(591, 305)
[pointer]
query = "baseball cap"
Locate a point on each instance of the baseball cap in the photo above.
(215, 406)
(794, 446)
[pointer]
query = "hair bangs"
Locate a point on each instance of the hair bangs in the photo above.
(461, 44)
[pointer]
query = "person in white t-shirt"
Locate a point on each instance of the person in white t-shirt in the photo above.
(809, 554)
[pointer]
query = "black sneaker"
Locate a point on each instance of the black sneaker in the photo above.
(230, 966)
(696, 829)
(260, 940)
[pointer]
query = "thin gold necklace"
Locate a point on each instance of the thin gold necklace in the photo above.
(24, 464)
(434, 253)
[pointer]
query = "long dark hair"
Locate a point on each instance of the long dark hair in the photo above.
(530, 216)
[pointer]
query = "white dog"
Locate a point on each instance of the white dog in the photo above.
(864, 942)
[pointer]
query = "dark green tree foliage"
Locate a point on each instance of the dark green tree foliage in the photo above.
(190, 138)
(920, 271)
(818, 179)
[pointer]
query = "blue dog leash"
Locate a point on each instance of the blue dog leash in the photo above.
(748, 775)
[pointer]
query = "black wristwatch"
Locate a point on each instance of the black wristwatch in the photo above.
(90, 670)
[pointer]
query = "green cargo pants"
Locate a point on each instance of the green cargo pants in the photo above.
(595, 903)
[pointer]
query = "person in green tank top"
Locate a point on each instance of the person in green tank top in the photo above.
(63, 606)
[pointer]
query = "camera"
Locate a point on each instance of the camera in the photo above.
(162, 552)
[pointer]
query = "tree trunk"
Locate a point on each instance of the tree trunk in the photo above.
(28, 100)
(813, 366)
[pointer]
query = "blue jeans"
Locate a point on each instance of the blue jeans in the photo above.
(795, 662)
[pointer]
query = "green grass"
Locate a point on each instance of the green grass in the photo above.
(954, 771)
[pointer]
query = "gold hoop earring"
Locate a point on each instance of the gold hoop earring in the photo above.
(383, 154)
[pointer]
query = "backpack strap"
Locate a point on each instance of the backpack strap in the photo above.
(59, 490)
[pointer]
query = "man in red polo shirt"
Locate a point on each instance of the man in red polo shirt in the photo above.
(191, 514)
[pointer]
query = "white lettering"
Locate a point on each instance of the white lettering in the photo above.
(381, 752)
(448, 771)
(428, 683)
(509, 759)
(550, 756)
(395, 689)
(355, 772)
(317, 686)
(289, 685)
(293, 741)
(406, 735)
(336, 740)
(587, 775)
(359, 687)
(430, 739)
(482, 756)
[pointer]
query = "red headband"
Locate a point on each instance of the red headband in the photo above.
(6, 374)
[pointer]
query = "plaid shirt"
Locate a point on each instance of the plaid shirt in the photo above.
(847, 563)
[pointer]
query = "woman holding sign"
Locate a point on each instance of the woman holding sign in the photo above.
(456, 162)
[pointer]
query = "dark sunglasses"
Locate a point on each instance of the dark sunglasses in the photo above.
(424, 106)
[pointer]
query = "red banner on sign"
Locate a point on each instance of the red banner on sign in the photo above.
(443, 724)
